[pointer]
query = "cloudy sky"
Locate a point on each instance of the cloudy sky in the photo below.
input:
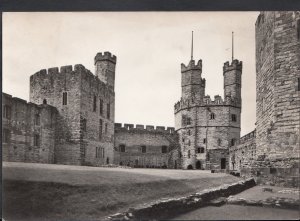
(150, 46)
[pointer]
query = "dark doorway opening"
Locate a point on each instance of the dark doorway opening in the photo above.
(107, 160)
(175, 166)
(44, 101)
(190, 167)
(198, 165)
(223, 163)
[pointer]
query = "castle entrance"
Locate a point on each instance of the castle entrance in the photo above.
(198, 165)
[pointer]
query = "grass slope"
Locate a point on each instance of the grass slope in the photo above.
(57, 192)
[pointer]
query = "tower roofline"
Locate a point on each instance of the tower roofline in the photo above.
(235, 65)
(191, 66)
(105, 56)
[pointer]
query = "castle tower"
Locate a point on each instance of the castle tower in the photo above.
(232, 81)
(105, 65)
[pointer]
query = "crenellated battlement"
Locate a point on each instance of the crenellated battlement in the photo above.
(235, 65)
(207, 101)
(191, 66)
(247, 137)
(140, 127)
(105, 56)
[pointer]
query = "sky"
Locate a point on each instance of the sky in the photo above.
(150, 47)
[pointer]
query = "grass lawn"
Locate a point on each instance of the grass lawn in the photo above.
(60, 192)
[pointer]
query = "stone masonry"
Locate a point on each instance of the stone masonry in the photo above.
(207, 128)
(146, 147)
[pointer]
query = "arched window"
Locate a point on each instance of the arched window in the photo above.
(212, 116)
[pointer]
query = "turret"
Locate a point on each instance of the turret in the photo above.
(105, 66)
(232, 81)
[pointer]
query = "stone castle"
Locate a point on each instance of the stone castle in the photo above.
(70, 116)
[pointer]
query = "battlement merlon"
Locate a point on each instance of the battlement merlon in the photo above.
(140, 127)
(235, 65)
(191, 66)
(105, 56)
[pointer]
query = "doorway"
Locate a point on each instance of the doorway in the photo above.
(223, 163)
(198, 165)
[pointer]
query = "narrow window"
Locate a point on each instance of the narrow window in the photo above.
(212, 116)
(188, 121)
(94, 104)
(37, 119)
(99, 152)
(143, 149)
(101, 107)
(232, 142)
(204, 140)
(36, 140)
(83, 124)
(189, 154)
(189, 143)
(108, 111)
(122, 148)
(219, 142)
(7, 112)
(298, 84)
(100, 129)
(202, 150)
(106, 128)
(298, 29)
(233, 117)
(65, 98)
(199, 150)
(6, 136)
(164, 149)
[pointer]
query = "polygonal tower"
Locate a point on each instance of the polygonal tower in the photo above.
(232, 81)
(105, 66)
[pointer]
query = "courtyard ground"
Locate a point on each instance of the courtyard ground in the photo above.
(240, 212)
(56, 192)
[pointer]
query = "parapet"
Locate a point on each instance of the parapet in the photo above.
(247, 137)
(235, 65)
(192, 66)
(106, 56)
(147, 128)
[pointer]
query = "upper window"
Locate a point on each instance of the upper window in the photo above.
(6, 136)
(122, 147)
(144, 149)
(298, 84)
(212, 116)
(204, 140)
(65, 98)
(200, 149)
(233, 142)
(189, 154)
(6, 112)
(108, 111)
(219, 142)
(101, 107)
(37, 119)
(95, 104)
(36, 140)
(298, 29)
(164, 149)
(233, 117)
(83, 124)
(100, 128)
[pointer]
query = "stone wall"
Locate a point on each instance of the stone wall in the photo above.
(278, 97)
(28, 131)
(86, 106)
(146, 146)
(243, 153)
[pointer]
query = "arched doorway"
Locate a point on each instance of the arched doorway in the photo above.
(175, 166)
(190, 167)
(198, 165)
(44, 101)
